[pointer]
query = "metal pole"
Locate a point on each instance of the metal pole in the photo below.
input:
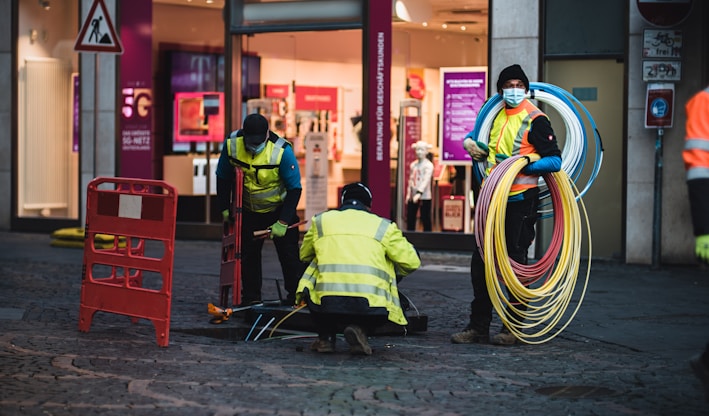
(95, 113)
(207, 193)
(657, 208)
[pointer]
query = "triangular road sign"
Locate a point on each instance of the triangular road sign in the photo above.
(97, 33)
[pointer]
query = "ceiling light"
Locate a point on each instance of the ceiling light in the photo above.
(45, 4)
(462, 28)
(444, 26)
(412, 10)
(425, 24)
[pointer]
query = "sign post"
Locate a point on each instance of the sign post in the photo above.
(658, 114)
(97, 41)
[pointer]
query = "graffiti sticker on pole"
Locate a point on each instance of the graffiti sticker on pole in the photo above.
(662, 71)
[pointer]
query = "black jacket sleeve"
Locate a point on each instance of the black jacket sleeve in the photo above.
(542, 137)
(290, 204)
(225, 188)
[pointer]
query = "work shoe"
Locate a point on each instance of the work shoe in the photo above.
(357, 340)
(470, 336)
(702, 372)
(504, 337)
(322, 345)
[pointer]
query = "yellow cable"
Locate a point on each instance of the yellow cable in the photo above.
(546, 305)
(284, 318)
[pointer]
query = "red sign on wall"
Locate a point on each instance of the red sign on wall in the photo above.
(277, 91)
(315, 98)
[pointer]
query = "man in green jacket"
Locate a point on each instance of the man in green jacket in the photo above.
(355, 257)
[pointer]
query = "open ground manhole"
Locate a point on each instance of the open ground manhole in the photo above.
(576, 392)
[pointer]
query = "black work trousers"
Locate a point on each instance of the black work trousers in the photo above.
(327, 325)
(519, 232)
(286, 247)
(411, 211)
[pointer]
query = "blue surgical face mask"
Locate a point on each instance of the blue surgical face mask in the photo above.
(256, 149)
(513, 96)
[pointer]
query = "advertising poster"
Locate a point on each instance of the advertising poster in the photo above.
(377, 105)
(316, 173)
(198, 117)
(136, 156)
(315, 111)
(463, 93)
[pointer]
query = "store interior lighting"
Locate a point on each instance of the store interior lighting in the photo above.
(45, 4)
(415, 11)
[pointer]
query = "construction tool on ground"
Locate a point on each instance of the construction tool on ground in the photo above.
(223, 314)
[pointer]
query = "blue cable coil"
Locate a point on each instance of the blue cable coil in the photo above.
(575, 146)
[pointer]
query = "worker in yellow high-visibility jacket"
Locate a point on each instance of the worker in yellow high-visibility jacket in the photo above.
(355, 257)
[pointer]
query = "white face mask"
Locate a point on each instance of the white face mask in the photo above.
(256, 149)
(513, 96)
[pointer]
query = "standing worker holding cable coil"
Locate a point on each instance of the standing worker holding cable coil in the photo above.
(519, 129)
(696, 162)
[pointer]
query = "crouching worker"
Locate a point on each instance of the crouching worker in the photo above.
(350, 284)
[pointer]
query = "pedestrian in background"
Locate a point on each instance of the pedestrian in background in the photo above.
(350, 286)
(519, 129)
(696, 162)
(271, 192)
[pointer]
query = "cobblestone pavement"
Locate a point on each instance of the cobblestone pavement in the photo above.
(625, 353)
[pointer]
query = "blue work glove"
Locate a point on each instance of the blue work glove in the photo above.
(476, 149)
(278, 229)
(702, 248)
(544, 165)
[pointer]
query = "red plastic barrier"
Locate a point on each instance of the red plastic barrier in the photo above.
(230, 272)
(143, 211)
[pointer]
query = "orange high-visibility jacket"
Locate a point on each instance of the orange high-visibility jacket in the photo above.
(696, 159)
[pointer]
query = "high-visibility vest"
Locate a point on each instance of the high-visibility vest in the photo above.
(263, 188)
(509, 136)
(696, 142)
(354, 253)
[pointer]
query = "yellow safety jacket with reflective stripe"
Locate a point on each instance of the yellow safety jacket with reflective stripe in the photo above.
(696, 144)
(354, 253)
(264, 190)
(509, 136)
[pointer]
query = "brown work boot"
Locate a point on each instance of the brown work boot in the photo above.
(322, 345)
(505, 337)
(357, 340)
(470, 336)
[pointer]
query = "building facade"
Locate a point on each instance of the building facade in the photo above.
(553, 40)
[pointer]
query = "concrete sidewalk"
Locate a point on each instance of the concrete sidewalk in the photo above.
(625, 352)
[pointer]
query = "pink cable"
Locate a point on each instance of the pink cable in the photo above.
(542, 269)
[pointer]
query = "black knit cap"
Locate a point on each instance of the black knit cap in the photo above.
(255, 129)
(512, 72)
(357, 191)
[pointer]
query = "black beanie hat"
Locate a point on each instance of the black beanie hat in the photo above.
(357, 191)
(512, 72)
